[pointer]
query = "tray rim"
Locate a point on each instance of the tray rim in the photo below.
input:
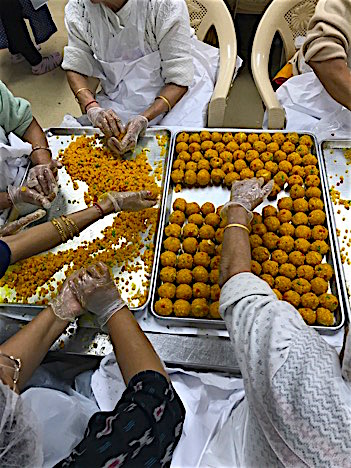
(220, 324)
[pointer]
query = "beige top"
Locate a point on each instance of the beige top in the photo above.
(329, 32)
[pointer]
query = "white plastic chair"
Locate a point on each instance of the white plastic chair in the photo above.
(204, 14)
(290, 19)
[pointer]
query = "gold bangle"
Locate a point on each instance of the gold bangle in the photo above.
(68, 226)
(164, 99)
(73, 224)
(242, 226)
(59, 229)
(82, 89)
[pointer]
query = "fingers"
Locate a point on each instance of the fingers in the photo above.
(115, 123)
(115, 146)
(55, 164)
(35, 198)
(149, 203)
(268, 188)
(11, 228)
(260, 181)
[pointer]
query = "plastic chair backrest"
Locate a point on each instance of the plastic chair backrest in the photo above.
(290, 19)
(293, 22)
(202, 15)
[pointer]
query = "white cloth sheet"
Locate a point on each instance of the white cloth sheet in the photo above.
(13, 162)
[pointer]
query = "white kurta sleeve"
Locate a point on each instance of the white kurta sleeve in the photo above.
(173, 34)
(78, 55)
(292, 377)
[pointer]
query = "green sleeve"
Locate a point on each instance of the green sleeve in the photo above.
(15, 113)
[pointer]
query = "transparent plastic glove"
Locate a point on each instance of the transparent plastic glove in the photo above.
(15, 226)
(130, 201)
(66, 305)
(43, 178)
(97, 292)
(25, 194)
(248, 194)
(106, 120)
(135, 127)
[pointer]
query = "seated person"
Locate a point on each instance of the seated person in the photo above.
(14, 34)
(297, 405)
(322, 66)
(15, 246)
(150, 65)
(17, 125)
(146, 424)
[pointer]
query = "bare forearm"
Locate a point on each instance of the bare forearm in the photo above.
(236, 252)
(79, 82)
(33, 341)
(36, 137)
(45, 236)
(134, 352)
(5, 201)
(336, 79)
(173, 93)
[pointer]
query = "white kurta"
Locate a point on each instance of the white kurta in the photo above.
(297, 407)
(138, 50)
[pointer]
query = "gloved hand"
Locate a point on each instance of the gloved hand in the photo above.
(66, 305)
(106, 120)
(248, 194)
(43, 178)
(130, 201)
(135, 127)
(15, 226)
(25, 194)
(97, 292)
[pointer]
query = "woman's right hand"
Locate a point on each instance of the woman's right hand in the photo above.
(66, 305)
(106, 120)
(96, 291)
(25, 194)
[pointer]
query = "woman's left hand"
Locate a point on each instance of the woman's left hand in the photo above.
(135, 127)
(66, 305)
(127, 201)
(13, 227)
(43, 179)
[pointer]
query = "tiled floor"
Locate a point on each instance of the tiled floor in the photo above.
(51, 98)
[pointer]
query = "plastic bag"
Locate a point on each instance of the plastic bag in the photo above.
(334, 125)
(63, 419)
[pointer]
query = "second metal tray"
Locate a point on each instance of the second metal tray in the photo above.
(219, 196)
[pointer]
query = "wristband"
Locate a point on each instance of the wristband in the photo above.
(36, 148)
(91, 102)
(100, 210)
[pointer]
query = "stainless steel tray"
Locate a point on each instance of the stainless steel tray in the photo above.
(335, 166)
(70, 200)
(219, 196)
